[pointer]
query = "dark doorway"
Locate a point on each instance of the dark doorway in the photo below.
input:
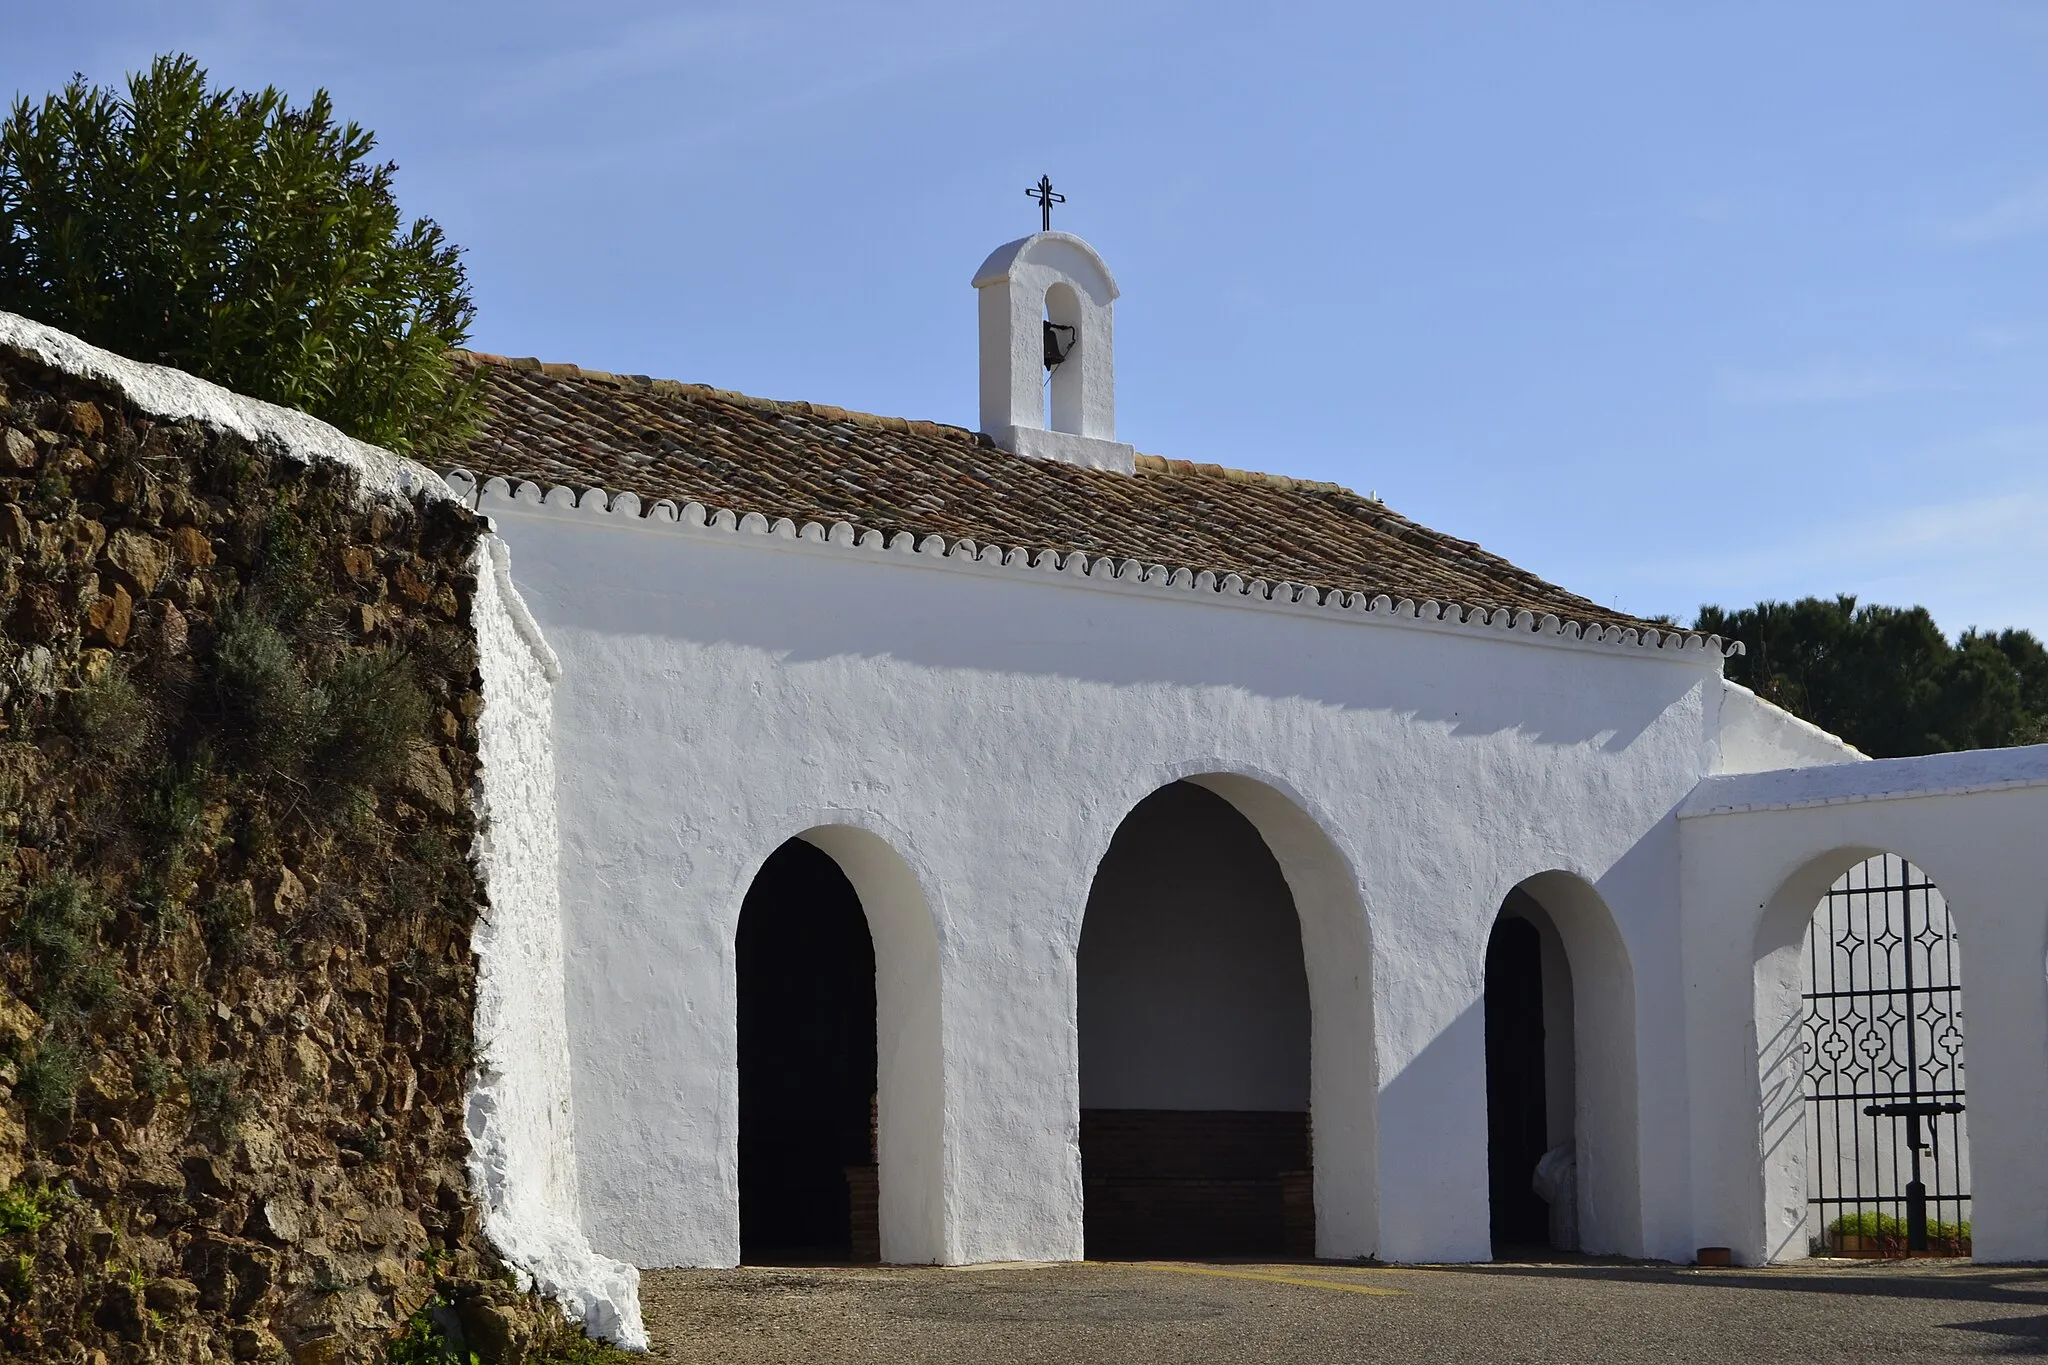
(807, 1058)
(1516, 1120)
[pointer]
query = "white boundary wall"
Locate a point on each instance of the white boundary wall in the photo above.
(1757, 853)
(521, 1124)
(178, 396)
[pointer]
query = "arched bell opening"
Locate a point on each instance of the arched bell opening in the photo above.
(1063, 365)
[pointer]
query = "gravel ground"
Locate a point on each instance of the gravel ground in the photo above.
(1322, 1314)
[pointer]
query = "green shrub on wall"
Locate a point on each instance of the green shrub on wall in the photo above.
(232, 235)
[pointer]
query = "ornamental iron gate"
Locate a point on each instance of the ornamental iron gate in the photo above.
(1887, 1159)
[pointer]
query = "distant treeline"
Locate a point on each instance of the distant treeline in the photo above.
(1885, 678)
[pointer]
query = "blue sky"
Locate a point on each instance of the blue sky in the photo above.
(1670, 303)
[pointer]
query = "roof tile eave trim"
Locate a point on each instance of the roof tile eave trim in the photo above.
(1098, 570)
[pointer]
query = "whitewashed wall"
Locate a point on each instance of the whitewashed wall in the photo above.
(1751, 736)
(521, 1123)
(1758, 853)
(723, 690)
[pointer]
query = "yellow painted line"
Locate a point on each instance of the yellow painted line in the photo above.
(1268, 1278)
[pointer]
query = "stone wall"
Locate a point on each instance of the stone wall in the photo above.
(240, 702)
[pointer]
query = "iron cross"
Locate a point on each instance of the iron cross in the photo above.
(1042, 192)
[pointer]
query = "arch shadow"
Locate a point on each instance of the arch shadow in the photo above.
(1776, 987)
(909, 1061)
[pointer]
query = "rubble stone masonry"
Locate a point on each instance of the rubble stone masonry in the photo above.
(238, 706)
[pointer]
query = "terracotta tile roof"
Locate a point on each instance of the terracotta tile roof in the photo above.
(561, 425)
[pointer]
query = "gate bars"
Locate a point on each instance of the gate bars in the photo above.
(1884, 1066)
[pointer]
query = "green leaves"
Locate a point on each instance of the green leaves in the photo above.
(347, 729)
(1885, 678)
(218, 1097)
(231, 235)
(60, 926)
(1872, 1224)
(26, 1210)
(49, 1079)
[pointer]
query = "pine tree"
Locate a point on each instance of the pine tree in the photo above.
(1885, 678)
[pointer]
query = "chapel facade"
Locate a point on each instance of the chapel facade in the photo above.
(1005, 845)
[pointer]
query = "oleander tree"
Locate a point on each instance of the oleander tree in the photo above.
(1885, 678)
(232, 235)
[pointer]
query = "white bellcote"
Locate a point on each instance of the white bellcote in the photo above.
(1048, 352)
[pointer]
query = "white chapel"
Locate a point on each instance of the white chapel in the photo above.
(1004, 844)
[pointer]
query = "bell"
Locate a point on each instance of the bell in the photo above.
(1059, 344)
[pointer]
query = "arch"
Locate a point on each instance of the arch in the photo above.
(1590, 1093)
(908, 1059)
(1778, 971)
(1782, 952)
(1330, 926)
(1060, 252)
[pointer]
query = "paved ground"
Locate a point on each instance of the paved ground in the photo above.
(1228, 1314)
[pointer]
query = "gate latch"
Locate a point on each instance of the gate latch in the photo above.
(1913, 1111)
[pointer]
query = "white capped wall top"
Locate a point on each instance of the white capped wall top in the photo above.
(1048, 348)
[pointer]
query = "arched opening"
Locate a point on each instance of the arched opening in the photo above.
(1860, 1021)
(1563, 1172)
(841, 1056)
(807, 1062)
(1063, 377)
(1194, 1040)
(1529, 1083)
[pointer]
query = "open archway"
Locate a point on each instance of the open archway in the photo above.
(1222, 956)
(1861, 1057)
(1563, 1169)
(807, 1064)
(840, 1086)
